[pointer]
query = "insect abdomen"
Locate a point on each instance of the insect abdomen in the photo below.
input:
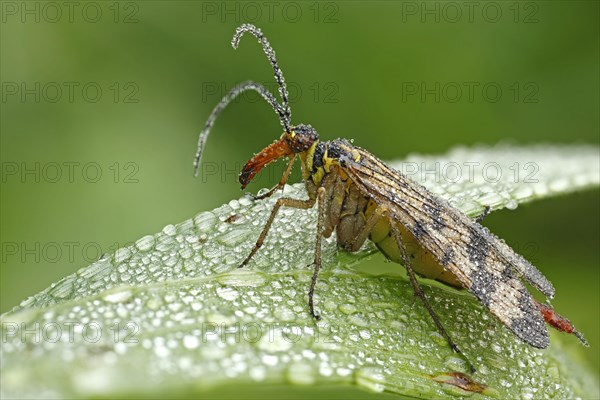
(422, 260)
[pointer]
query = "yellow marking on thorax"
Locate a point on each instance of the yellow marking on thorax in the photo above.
(318, 176)
(327, 161)
(307, 160)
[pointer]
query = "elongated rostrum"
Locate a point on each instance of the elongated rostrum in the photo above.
(359, 197)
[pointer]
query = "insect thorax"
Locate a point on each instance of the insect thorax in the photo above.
(319, 159)
(345, 207)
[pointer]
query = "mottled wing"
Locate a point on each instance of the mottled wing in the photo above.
(483, 263)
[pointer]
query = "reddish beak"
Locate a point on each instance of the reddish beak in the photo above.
(270, 153)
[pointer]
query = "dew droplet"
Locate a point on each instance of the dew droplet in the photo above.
(284, 314)
(169, 230)
(269, 359)
(234, 237)
(118, 296)
(122, 254)
(347, 308)
(97, 270)
(153, 303)
(242, 277)
(227, 293)
(456, 364)
(63, 289)
(190, 342)
(205, 221)
(511, 204)
(146, 243)
(245, 201)
(359, 320)
(438, 338)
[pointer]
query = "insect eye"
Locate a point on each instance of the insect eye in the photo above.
(301, 137)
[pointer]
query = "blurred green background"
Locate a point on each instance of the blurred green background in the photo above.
(123, 89)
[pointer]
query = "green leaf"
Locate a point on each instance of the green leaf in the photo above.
(171, 314)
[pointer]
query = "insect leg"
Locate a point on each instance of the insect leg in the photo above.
(485, 213)
(420, 294)
(321, 193)
(284, 201)
(357, 241)
(335, 203)
(282, 181)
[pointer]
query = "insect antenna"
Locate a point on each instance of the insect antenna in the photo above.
(270, 53)
(228, 98)
(283, 111)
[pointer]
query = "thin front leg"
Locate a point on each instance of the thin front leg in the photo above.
(317, 261)
(420, 294)
(284, 201)
(282, 181)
